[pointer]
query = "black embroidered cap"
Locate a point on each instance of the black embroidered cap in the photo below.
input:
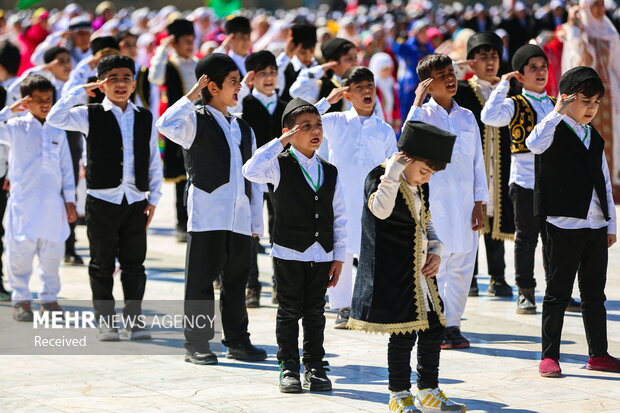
(426, 141)
(304, 34)
(114, 62)
(214, 63)
(334, 48)
(294, 104)
(51, 53)
(260, 60)
(180, 27)
(488, 39)
(574, 77)
(104, 43)
(525, 53)
(238, 24)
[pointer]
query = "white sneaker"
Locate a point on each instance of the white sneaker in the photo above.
(433, 400)
(402, 402)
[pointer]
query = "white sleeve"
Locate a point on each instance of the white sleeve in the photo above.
(65, 115)
(481, 187)
(381, 202)
(306, 86)
(178, 123)
(340, 224)
(263, 167)
(541, 137)
(256, 201)
(156, 174)
(50, 41)
(282, 62)
(78, 77)
(157, 70)
(611, 224)
(499, 110)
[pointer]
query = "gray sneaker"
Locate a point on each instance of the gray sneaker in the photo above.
(342, 318)
(108, 334)
(138, 333)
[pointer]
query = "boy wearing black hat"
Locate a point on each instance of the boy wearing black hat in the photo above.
(176, 73)
(485, 49)
(238, 42)
(521, 113)
(76, 39)
(298, 55)
(318, 82)
(458, 193)
(573, 194)
(395, 289)
(225, 210)
(123, 177)
(309, 240)
(262, 110)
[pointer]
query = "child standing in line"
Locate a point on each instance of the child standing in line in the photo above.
(573, 195)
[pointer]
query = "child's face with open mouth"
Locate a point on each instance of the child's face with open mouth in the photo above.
(362, 96)
(535, 74)
(444, 82)
(266, 80)
(310, 135)
(229, 93)
(120, 84)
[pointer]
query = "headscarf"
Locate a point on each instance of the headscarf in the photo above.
(378, 62)
(596, 28)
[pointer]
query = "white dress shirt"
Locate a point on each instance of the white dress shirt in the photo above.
(307, 85)
(65, 116)
(282, 61)
(540, 139)
(264, 168)
(382, 205)
(454, 190)
(185, 66)
(269, 102)
(4, 150)
(238, 59)
(227, 208)
(15, 93)
(355, 147)
(41, 179)
(78, 77)
(499, 110)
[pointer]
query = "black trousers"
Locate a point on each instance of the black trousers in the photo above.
(527, 229)
(75, 142)
(181, 205)
(399, 356)
(253, 275)
(116, 232)
(4, 195)
(210, 253)
(301, 288)
(495, 255)
(582, 252)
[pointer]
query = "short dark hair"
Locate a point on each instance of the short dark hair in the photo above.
(35, 82)
(238, 24)
(527, 62)
(432, 62)
(589, 88)
(357, 74)
(218, 75)
(434, 165)
(342, 51)
(290, 120)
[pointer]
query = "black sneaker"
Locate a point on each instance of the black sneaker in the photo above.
(526, 303)
(473, 289)
(22, 311)
(73, 259)
(315, 378)
(202, 356)
(453, 339)
(244, 350)
(342, 318)
(274, 296)
(181, 234)
(252, 298)
(574, 306)
(499, 287)
(290, 381)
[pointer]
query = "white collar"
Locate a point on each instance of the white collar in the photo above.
(436, 105)
(534, 94)
(298, 65)
(265, 100)
(182, 60)
(108, 105)
(485, 83)
(352, 113)
(573, 123)
(219, 114)
(302, 158)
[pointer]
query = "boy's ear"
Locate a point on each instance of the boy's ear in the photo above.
(519, 77)
(213, 88)
(284, 130)
(347, 96)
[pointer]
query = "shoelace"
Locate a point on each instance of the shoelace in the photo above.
(442, 396)
(404, 398)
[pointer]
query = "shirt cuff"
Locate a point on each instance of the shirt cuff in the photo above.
(154, 198)
(322, 105)
(393, 170)
(435, 247)
(340, 253)
(76, 92)
(5, 114)
(316, 71)
(69, 196)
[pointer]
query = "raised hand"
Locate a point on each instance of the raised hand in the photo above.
(249, 79)
(510, 75)
(336, 94)
(285, 139)
(401, 158)
(51, 65)
(329, 65)
(421, 91)
(562, 104)
(90, 87)
(21, 105)
(194, 92)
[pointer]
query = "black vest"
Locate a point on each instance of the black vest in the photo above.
(522, 123)
(302, 216)
(2, 97)
(290, 76)
(207, 161)
(174, 84)
(265, 126)
(104, 148)
(327, 85)
(566, 174)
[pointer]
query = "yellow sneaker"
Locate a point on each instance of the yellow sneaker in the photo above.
(402, 402)
(433, 400)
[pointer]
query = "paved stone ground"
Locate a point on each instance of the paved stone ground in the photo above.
(497, 374)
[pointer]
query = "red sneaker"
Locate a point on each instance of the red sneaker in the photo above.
(605, 363)
(549, 368)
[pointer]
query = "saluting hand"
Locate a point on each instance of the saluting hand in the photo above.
(249, 79)
(89, 88)
(285, 139)
(510, 75)
(421, 91)
(336, 94)
(21, 105)
(202, 83)
(562, 104)
(334, 273)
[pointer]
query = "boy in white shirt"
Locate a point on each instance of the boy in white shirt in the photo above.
(41, 174)
(456, 193)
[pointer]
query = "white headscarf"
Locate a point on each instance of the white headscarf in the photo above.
(596, 28)
(378, 62)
